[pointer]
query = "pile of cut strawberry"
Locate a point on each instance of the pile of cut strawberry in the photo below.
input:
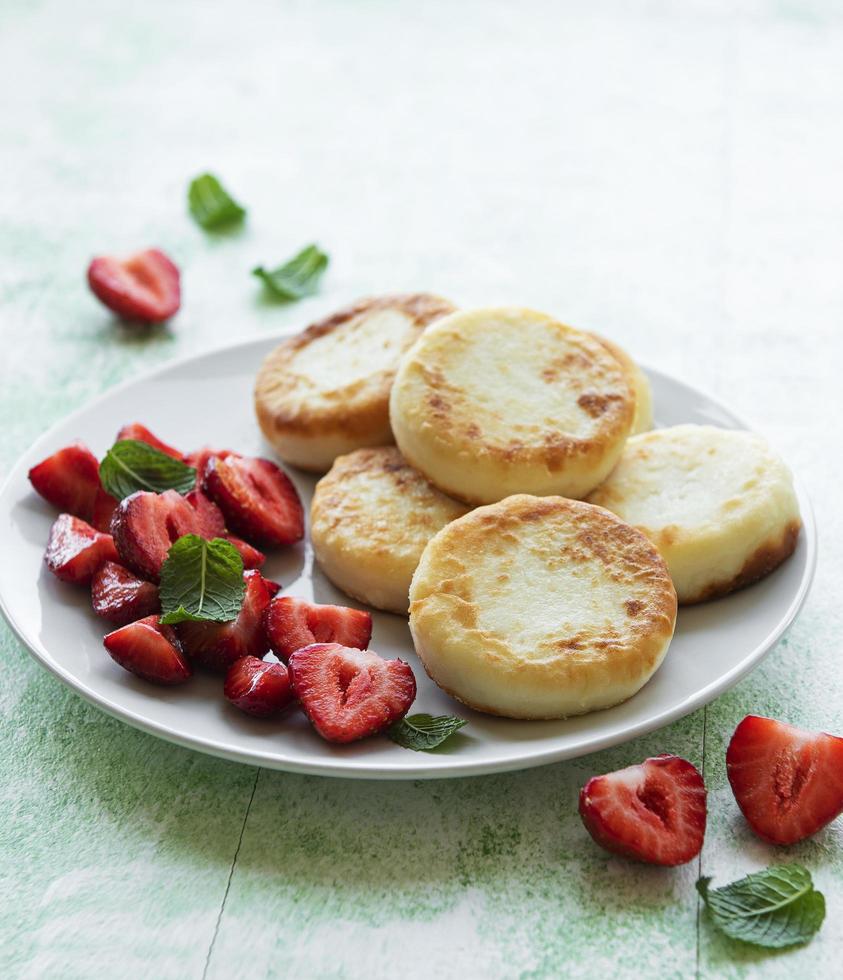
(118, 548)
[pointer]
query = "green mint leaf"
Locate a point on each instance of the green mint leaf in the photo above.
(423, 732)
(775, 907)
(131, 465)
(297, 278)
(210, 204)
(201, 581)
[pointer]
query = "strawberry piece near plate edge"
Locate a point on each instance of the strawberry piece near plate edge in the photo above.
(69, 480)
(75, 550)
(144, 286)
(258, 687)
(149, 650)
(121, 597)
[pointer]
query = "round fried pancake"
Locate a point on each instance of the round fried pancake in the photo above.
(718, 503)
(643, 419)
(371, 517)
(499, 401)
(326, 391)
(541, 607)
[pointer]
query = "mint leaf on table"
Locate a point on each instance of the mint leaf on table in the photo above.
(131, 465)
(211, 204)
(297, 278)
(423, 732)
(774, 908)
(201, 581)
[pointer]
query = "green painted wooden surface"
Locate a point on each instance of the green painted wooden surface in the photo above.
(667, 174)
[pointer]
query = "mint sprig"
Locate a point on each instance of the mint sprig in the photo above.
(131, 465)
(297, 278)
(201, 581)
(423, 732)
(211, 204)
(775, 907)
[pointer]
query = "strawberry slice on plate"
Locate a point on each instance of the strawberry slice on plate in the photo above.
(121, 597)
(211, 521)
(75, 550)
(104, 507)
(140, 433)
(150, 650)
(252, 558)
(198, 459)
(257, 498)
(259, 688)
(146, 524)
(293, 623)
(788, 782)
(145, 286)
(349, 694)
(69, 480)
(653, 812)
(217, 645)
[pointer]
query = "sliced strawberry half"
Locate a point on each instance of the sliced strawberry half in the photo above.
(653, 812)
(69, 480)
(217, 645)
(199, 460)
(140, 433)
(104, 507)
(348, 694)
(121, 597)
(145, 286)
(146, 524)
(75, 550)
(211, 521)
(293, 623)
(150, 650)
(252, 558)
(257, 498)
(788, 782)
(259, 688)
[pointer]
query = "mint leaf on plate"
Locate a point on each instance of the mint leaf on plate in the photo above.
(211, 204)
(775, 907)
(423, 732)
(201, 581)
(131, 465)
(297, 278)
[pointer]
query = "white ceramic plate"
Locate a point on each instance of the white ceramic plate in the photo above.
(208, 400)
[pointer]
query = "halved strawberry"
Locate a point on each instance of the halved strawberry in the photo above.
(348, 694)
(145, 286)
(293, 623)
(788, 782)
(69, 480)
(121, 597)
(104, 507)
(150, 650)
(652, 812)
(198, 459)
(252, 558)
(257, 498)
(211, 521)
(140, 433)
(259, 688)
(217, 645)
(146, 524)
(75, 550)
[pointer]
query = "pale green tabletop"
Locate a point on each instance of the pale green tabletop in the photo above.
(668, 174)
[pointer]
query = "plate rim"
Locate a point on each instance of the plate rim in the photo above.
(360, 769)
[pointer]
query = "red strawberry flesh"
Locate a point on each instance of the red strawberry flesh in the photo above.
(211, 521)
(69, 480)
(140, 433)
(259, 688)
(252, 558)
(788, 782)
(149, 650)
(75, 550)
(349, 694)
(145, 286)
(121, 597)
(293, 623)
(653, 812)
(104, 507)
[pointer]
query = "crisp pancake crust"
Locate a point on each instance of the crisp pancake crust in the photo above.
(499, 401)
(643, 419)
(541, 607)
(718, 503)
(371, 517)
(326, 391)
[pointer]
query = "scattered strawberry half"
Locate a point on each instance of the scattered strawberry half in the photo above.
(145, 286)
(217, 645)
(150, 650)
(252, 558)
(348, 694)
(69, 480)
(293, 623)
(104, 507)
(146, 524)
(257, 498)
(788, 782)
(652, 812)
(259, 688)
(75, 550)
(140, 433)
(199, 460)
(121, 597)
(211, 521)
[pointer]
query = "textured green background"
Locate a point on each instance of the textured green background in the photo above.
(669, 174)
